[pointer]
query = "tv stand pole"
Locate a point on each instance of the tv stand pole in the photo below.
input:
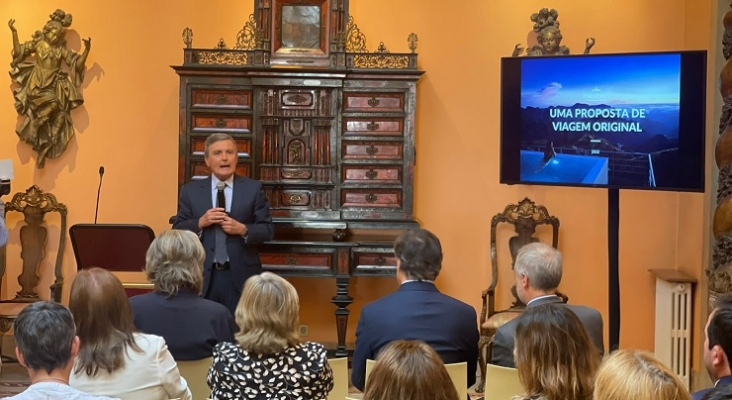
(613, 239)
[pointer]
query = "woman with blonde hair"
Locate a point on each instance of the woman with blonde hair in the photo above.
(190, 324)
(409, 370)
(114, 360)
(637, 375)
(268, 361)
(554, 355)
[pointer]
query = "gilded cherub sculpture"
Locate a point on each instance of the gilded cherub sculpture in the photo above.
(46, 94)
(549, 36)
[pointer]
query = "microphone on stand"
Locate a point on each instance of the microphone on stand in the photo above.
(99, 191)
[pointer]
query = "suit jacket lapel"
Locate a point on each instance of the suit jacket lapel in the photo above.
(237, 195)
(205, 188)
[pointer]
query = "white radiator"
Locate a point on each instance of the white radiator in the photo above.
(673, 326)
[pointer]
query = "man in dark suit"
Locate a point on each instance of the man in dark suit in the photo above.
(717, 345)
(231, 211)
(538, 270)
(417, 311)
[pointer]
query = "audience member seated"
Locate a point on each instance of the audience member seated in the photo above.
(268, 361)
(47, 344)
(114, 359)
(723, 392)
(417, 311)
(637, 375)
(409, 370)
(718, 344)
(538, 270)
(190, 325)
(554, 355)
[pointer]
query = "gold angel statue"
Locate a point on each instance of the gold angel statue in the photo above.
(46, 94)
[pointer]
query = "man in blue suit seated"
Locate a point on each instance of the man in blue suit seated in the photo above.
(417, 311)
(538, 271)
(717, 345)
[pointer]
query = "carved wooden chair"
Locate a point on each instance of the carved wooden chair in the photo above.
(525, 217)
(34, 204)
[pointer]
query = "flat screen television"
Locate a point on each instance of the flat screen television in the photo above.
(627, 121)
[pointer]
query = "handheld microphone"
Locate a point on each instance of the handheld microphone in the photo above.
(99, 191)
(220, 200)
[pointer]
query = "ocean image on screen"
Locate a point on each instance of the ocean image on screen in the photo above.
(603, 120)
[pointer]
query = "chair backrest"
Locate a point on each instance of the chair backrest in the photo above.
(195, 372)
(525, 216)
(458, 374)
(340, 378)
(501, 383)
(34, 204)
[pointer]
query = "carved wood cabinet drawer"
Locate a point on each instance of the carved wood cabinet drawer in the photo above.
(372, 150)
(373, 102)
(199, 170)
(212, 98)
(301, 262)
(386, 198)
(303, 259)
(375, 260)
(376, 174)
(243, 146)
(295, 198)
(229, 123)
(373, 126)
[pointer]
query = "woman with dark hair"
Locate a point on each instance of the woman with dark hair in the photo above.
(409, 370)
(190, 324)
(268, 361)
(114, 360)
(554, 355)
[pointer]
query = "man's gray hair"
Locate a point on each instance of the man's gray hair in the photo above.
(44, 332)
(542, 264)
(216, 137)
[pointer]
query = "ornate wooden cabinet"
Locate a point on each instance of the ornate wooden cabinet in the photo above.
(332, 140)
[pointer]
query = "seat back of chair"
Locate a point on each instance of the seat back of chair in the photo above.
(340, 378)
(501, 383)
(369, 366)
(34, 205)
(458, 375)
(195, 373)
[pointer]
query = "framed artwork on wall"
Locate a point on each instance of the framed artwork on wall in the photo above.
(300, 31)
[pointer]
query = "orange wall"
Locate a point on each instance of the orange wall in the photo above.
(129, 125)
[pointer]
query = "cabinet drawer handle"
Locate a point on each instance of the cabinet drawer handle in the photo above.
(291, 260)
(295, 199)
(372, 126)
(380, 261)
(221, 99)
(371, 198)
(371, 174)
(371, 150)
(220, 123)
(374, 102)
